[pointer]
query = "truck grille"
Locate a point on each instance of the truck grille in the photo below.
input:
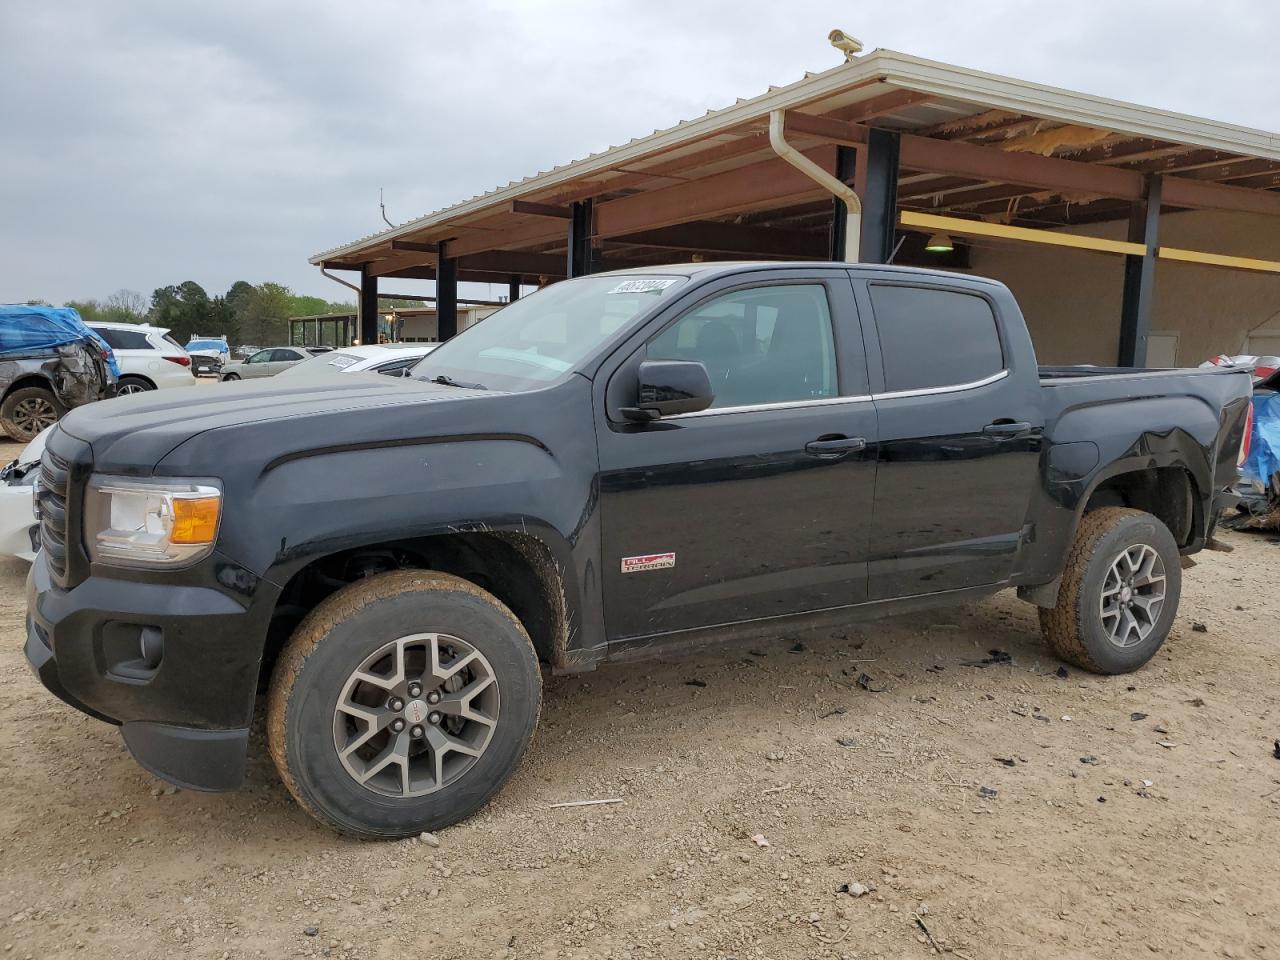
(55, 476)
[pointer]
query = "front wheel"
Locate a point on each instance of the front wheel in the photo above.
(230, 376)
(402, 703)
(1119, 592)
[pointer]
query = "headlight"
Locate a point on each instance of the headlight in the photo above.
(162, 522)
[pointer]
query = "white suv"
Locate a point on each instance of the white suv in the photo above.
(148, 357)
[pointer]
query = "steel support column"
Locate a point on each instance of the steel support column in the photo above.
(1140, 276)
(879, 196)
(580, 239)
(368, 306)
(446, 296)
(513, 289)
(846, 163)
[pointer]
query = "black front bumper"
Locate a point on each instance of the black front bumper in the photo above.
(186, 720)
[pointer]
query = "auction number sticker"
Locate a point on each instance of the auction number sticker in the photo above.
(651, 561)
(649, 285)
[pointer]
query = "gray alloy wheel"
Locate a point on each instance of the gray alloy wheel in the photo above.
(33, 413)
(416, 715)
(1132, 595)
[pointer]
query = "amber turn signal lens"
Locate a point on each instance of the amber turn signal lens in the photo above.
(195, 520)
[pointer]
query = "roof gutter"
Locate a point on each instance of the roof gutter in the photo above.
(842, 191)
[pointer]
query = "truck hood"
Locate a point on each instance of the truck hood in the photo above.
(132, 434)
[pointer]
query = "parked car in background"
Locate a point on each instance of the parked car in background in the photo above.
(148, 357)
(268, 361)
(392, 359)
(19, 528)
(208, 355)
(49, 362)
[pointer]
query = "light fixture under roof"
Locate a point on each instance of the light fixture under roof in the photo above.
(939, 243)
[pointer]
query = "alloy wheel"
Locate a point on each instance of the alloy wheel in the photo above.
(416, 715)
(34, 414)
(1133, 593)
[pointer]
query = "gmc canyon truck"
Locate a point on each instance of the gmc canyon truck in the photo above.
(611, 466)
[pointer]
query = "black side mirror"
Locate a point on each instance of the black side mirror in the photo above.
(669, 387)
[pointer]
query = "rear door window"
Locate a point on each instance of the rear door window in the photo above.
(934, 338)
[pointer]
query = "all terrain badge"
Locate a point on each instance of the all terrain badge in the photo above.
(651, 561)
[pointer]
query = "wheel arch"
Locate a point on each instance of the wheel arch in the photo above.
(522, 570)
(30, 380)
(138, 376)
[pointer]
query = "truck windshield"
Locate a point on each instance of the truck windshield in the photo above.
(545, 335)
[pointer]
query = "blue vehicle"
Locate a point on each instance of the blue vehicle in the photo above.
(50, 362)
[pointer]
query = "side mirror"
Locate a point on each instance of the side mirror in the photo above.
(669, 387)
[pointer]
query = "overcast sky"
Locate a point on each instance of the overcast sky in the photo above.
(147, 143)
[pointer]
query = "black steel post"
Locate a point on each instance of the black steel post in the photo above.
(513, 289)
(1140, 276)
(580, 239)
(368, 306)
(446, 296)
(880, 197)
(846, 161)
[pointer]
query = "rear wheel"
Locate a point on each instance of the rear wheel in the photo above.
(29, 410)
(402, 703)
(130, 384)
(1119, 593)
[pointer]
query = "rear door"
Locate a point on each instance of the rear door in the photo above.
(756, 507)
(960, 431)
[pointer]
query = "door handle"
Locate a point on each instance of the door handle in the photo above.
(1007, 429)
(834, 446)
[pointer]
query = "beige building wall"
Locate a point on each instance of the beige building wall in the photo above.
(1072, 298)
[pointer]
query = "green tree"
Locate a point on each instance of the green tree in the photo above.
(183, 309)
(262, 313)
(90, 310)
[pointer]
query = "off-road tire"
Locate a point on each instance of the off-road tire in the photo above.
(335, 638)
(1073, 628)
(13, 404)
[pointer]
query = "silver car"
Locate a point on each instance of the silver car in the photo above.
(265, 363)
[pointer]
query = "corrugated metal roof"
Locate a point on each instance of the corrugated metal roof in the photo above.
(956, 88)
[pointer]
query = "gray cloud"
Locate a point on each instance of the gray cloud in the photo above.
(151, 142)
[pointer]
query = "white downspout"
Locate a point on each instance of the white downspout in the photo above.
(842, 191)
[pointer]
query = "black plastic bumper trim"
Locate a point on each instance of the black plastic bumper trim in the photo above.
(208, 760)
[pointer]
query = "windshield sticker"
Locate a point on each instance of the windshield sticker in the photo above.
(342, 361)
(644, 286)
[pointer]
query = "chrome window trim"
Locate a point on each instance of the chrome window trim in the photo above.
(782, 405)
(931, 391)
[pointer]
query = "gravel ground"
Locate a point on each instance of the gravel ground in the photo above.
(1121, 817)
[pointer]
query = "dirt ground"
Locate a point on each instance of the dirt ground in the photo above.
(1133, 815)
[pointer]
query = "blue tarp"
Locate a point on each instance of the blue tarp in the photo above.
(1264, 454)
(25, 329)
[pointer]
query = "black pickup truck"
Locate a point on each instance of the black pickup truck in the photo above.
(615, 464)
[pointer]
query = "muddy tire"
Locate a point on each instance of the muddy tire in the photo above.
(1119, 592)
(402, 703)
(29, 410)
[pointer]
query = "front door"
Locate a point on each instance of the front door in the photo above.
(756, 507)
(959, 441)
